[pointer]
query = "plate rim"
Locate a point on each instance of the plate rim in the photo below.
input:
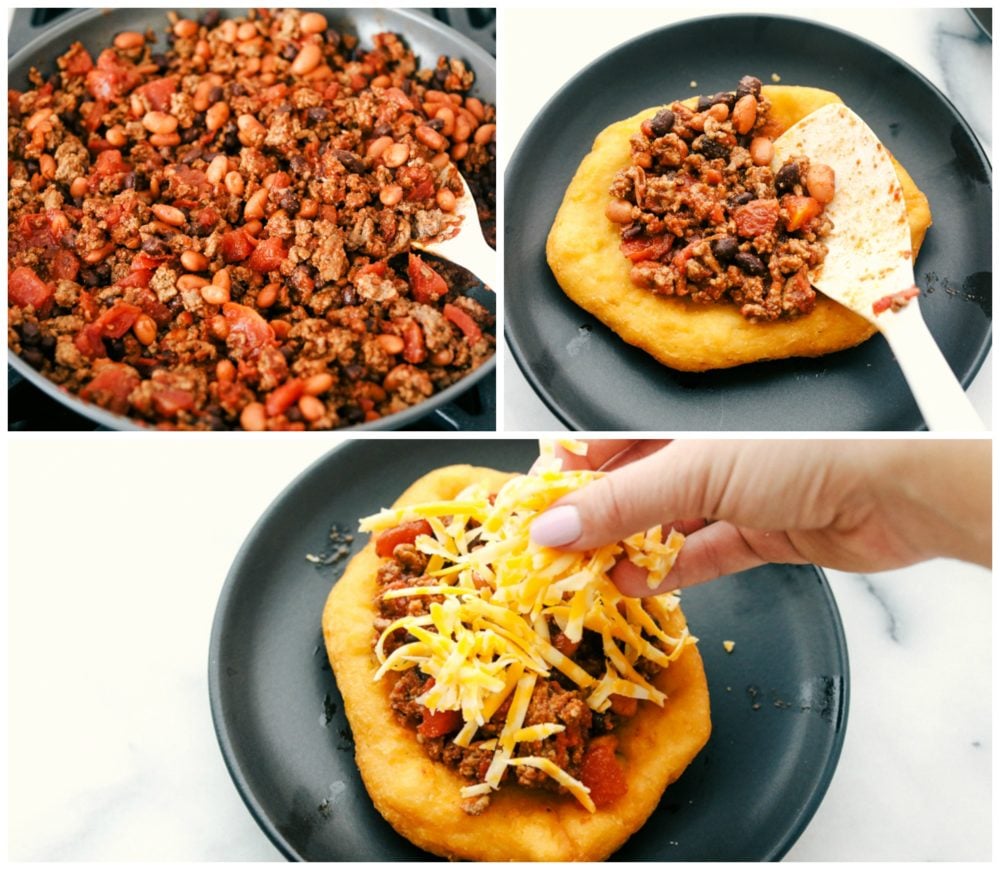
(519, 156)
(229, 594)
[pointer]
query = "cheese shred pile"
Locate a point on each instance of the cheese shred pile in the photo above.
(486, 637)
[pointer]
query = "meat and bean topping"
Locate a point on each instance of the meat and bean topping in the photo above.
(703, 216)
(217, 235)
(585, 749)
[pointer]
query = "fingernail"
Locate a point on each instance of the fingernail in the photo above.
(557, 527)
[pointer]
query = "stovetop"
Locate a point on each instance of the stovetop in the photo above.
(28, 408)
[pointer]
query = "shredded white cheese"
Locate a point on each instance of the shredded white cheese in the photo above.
(488, 639)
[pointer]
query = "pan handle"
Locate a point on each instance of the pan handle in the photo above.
(22, 28)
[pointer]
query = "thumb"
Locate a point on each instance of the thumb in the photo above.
(677, 482)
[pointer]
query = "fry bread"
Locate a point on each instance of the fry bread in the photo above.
(583, 252)
(420, 797)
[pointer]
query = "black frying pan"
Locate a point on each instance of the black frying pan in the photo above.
(95, 28)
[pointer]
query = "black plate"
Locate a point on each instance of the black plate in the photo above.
(591, 379)
(426, 37)
(779, 701)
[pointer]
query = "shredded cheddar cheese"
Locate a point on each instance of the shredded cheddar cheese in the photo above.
(488, 637)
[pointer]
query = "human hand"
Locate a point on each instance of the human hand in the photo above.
(852, 505)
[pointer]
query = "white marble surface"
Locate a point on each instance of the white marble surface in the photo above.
(943, 44)
(118, 548)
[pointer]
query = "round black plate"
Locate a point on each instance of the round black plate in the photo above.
(779, 701)
(591, 379)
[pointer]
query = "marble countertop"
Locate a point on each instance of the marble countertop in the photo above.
(943, 44)
(115, 568)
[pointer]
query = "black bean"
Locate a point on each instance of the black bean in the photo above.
(726, 97)
(30, 333)
(47, 343)
(289, 202)
(298, 164)
(116, 349)
(382, 130)
(33, 357)
(750, 263)
(288, 352)
(787, 177)
(711, 148)
(351, 162)
(352, 414)
(189, 134)
(632, 230)
(290, 51)
(436, 124)
(739, 199)
(237, 90)
(210, 18)
(748, 85)
(354, 372)
(155, 246)
(293, 414)
(231, 141)
(318, 114)
(725, 249)
(440, 75)
(216, 95)
(332, 37)
(193, 154)
(662, 122)
(161, 61)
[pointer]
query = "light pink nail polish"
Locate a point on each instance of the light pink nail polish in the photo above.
(557, 527)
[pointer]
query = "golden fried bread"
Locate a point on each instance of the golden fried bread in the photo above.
(420, 797)
(583, 253)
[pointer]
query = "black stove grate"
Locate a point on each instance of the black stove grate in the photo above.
(30, 409)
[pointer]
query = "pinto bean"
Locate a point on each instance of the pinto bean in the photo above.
(761, 151)
(129, 39)
(820, 182)
(619, 211)
(396, 154)
(312, 22)
(169, 214)
(159, 122)
(308, 58)
(745, 114)
(216, 116)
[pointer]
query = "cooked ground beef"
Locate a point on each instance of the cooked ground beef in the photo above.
(227, 224)
(702, 215)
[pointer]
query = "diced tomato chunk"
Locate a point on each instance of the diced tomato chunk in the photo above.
(282, 398)
(800, 210)
(118, 319)
(158, 93)
(268, 255)
(88, 341)
(378, 268)
(470, 329)
(170, 401)
(756, 218)
(566, 646)
(437, 723)
(406, 533)
(602, 773)
(25, 288)
(111, 387)
(145, 262)
(246, 327)
(427, 285)
(647, 247)
(77, 60)
(423, 190)
(65, 265)
(623, 705)
(112, 77)
(137, 278)
(110, 162)
(237, 245)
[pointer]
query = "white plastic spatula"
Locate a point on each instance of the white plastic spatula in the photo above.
(462, 242)
(869, 257)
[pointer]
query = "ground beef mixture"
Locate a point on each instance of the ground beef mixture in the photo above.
(217, 235)
(703, 216)
(556, 699)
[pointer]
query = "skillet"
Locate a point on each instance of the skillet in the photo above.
(96, 27)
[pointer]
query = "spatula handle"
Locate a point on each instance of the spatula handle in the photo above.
(940, 397)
